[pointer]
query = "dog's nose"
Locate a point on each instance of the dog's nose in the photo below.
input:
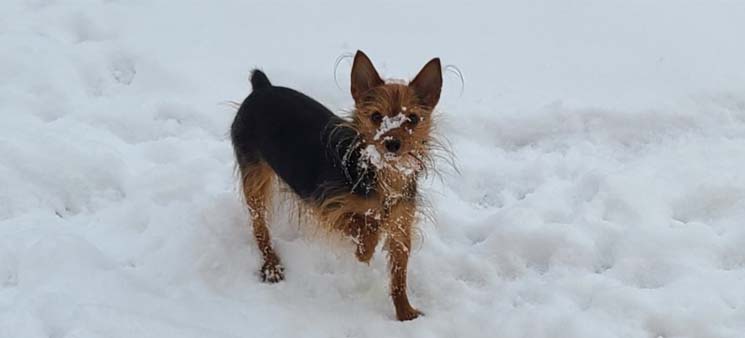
(392, 145)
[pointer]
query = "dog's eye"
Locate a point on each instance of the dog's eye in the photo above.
(413, 119)
(376, 117)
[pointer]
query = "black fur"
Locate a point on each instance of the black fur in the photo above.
(310, 148)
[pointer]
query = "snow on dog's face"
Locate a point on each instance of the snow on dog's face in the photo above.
(394, 119)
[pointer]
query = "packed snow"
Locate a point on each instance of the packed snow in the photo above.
(600, 190)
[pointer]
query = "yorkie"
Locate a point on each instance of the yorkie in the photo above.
(357, 176)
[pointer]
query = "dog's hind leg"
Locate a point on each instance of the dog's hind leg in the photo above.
(256, 180)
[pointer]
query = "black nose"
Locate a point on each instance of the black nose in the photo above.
(392, 145)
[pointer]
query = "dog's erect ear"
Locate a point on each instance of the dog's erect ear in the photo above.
(428, 83)
(364, 76)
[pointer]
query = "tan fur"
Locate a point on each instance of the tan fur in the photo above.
(399, 225)
(256, 182)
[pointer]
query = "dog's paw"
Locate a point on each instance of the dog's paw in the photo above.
(272, 272)
(364, 254)
(408, 314)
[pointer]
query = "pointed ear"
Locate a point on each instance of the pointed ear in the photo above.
(364, 76)
(428, 83)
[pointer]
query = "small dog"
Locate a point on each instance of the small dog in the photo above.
(356, 176)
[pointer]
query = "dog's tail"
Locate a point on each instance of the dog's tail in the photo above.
(259, 80)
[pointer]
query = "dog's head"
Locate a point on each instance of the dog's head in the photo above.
(395, 119)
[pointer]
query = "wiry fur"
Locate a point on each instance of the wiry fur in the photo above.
(355, 176)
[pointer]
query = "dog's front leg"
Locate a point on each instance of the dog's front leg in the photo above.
(365, 232)
(398, 225)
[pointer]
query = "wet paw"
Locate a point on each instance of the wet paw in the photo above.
(408, 314)
(272, 272)
(364, 254)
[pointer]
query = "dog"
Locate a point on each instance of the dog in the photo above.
(357, 176)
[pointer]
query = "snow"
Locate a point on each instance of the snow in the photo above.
(389, 123)
(600, 148)
(371, 154)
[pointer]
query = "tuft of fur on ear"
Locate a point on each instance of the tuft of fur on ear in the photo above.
(364, 76)
(428, 83)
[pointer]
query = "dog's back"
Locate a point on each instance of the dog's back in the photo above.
(300, 139)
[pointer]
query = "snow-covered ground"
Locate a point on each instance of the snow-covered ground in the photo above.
(601, 148)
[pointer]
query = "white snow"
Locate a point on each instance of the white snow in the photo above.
(371, 154)
(389, 123)
(601, 148)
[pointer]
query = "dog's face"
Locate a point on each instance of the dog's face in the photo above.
(395, 119)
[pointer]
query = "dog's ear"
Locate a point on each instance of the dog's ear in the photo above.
(428, 83)
(364, 76)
